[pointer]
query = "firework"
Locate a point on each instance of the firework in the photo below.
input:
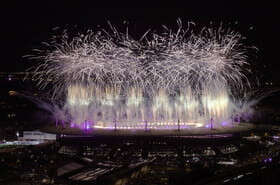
(167, 79)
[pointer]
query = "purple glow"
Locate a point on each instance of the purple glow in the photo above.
(63, 124)
(224, 123)
(268, 160)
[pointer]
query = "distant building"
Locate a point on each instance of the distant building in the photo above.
(37, 135)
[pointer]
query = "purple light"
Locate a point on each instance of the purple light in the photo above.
(224, 123)
(63, 124)
(86, 126)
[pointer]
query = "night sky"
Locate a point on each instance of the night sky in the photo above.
(25, 24)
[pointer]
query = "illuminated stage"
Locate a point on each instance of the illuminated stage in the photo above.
(187, 130)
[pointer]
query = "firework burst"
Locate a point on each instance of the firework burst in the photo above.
(160, 78)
